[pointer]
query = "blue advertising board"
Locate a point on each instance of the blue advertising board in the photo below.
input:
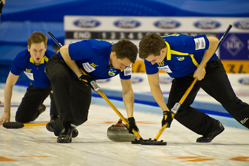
(235, 47)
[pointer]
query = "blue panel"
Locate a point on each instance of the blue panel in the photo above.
(235, 47)
(18, 32)
(55, 11)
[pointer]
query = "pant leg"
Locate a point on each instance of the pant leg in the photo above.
(60, 78)
(72, 97)
(191, 118)
(81, 100)
(53, 110)
(217, 85)
(28, 109)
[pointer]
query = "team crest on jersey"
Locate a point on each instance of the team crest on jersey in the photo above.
(93, 65)
(180, 58)
(28, 70)
(112, 72)
(161, 64)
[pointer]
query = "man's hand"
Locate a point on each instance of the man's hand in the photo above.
(89, 81)
(167, 118)
(132, 124)
(199, 73)
(5, 118)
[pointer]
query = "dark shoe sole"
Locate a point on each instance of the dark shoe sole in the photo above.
(75, 133)
(41, 108)
(207, 140)
(66, 135)
(51, 129)
(60, 140)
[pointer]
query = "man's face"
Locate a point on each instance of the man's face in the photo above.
(157, 59)
(37, 51)
(119, 63)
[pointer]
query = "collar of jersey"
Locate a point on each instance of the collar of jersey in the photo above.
(44, 58)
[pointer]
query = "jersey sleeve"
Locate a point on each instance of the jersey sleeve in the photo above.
(80, 50)
(150, 69)
(126, 73)
(201, 43)
(18, 64)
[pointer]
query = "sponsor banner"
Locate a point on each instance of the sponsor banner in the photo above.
(157, 24)
(236, 66)
(244, 81)
(235, 47)
(135, 28)
(136, 79)
(138, 67)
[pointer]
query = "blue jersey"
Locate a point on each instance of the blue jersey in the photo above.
(24, 62)
(184, 54)
(93, 57)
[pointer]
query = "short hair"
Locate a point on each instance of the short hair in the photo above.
(151, 44)
(37, 37)
(125, 49)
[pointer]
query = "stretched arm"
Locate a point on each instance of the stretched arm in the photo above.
(200, 71)
(128, 99)
(128, 96)
(156, 91)
(71, 63)
(10, 82)
(158, 96)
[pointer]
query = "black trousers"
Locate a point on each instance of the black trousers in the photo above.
(72, 97)
(217, 85)
(28, 109)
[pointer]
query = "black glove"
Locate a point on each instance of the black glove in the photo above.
(132, 125)
(89, 81)
(167, 118)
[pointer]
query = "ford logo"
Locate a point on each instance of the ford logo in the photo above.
(167, 24)
(243, 24)
(127, 23)
(101, 81)
(86, 23)
(207, 24)
(135, 80)
(244, 81)
(165, 80)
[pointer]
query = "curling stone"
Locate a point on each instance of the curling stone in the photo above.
(118, 132)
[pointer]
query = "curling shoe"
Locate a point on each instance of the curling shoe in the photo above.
(210, 136)
(50, 127)
(41, 108)
(65, 135)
